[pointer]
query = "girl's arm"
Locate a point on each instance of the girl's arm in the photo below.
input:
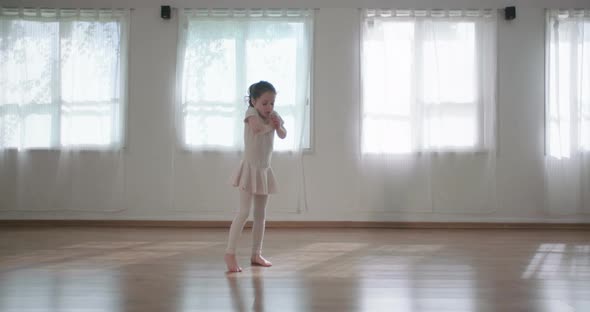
(281, 132)
(258, 126)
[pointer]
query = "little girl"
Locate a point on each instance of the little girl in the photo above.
(254, 177)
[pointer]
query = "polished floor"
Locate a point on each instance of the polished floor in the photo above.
(181, 269)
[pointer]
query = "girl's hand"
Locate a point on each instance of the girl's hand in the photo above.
(275, 121)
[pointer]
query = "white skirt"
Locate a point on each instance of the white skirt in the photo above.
(254, 180)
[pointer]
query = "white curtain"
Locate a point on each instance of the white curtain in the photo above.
(62, 107)
(428, 134)
(221, 52)
(62, 78)
(567, 112)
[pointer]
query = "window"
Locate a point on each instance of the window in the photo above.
(62, 76)
(568, 82)
(428, 80)
(221, 53)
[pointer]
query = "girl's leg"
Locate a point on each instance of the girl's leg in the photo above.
(235, 230)
(258, 230)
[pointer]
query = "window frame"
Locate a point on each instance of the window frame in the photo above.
(481, 144)
(54, 108)
(236, 111)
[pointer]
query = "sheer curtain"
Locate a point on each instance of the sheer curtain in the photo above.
(62, 107)
(221, 52)
(567, 112)
(428, 134)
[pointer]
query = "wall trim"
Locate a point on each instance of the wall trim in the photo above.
(297, 224)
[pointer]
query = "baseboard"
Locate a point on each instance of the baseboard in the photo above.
(296, 224)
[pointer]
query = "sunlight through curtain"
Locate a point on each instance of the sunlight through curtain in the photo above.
(221, 52)
(567, 112)
(428, 135)
(63, 93)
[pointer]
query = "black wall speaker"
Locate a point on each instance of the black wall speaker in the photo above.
(510, 13)
(165, 12)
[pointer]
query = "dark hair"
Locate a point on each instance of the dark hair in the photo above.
(258, 89)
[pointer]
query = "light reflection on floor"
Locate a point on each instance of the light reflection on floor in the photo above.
(562, 272)
(426, 272)
(553, 260)
(42, 290)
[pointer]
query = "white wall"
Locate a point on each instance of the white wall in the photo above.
(163, 183)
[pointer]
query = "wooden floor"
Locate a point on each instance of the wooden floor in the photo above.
(181, 269)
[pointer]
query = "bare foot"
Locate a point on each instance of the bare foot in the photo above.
(259, 260)
(232, 263)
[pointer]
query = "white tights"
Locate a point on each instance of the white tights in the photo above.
(240, 220)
